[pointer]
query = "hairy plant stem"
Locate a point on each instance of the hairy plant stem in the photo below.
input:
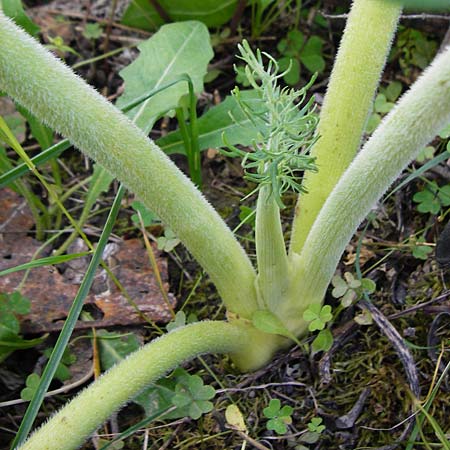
(271, 253)
(355, 77)
(71, 426)
(60, 99)
(419, 115)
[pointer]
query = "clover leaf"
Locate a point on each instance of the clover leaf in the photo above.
(32, 384)
(318, 316)
(148, 217)
(432, 198)
(193, 395)
(279, 417)
(167, 242)
(315, 425)
(349, 288)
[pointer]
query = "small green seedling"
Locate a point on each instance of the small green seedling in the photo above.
(298, 51)
(318, 316)
(432, 198)
(58, 45)
(315, 425)
(279, 417)
(312, 435)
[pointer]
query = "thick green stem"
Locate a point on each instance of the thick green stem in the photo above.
(356, 73)
(420, 114)
(270, 251)
(55, 95)
(71, 426)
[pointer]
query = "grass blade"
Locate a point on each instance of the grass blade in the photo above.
(47, 261)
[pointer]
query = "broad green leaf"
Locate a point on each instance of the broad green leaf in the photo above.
(421, 251)
(10, 305)
(224, 121)
(175, 50)
(114, 350)
(381, 104)
(273, 409)
(14, 9)
(141, 14)
(372, 123)
(318, 316)
(310, 437)
(63, 372)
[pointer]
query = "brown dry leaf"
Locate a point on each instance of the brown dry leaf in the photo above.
(52, 290)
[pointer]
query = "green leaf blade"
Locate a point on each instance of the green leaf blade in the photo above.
(175, 51)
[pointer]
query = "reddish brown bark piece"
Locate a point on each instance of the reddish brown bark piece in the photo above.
(52, 290)
(15, 216)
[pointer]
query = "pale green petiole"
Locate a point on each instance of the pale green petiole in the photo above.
(354, 79)
(56, 96)
(70, 427)
(418, 117)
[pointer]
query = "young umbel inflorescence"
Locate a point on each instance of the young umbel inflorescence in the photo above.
(287, 125)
